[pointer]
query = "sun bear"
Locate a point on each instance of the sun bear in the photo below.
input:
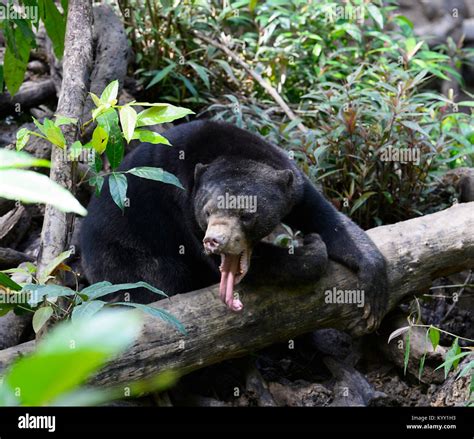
(237, 189)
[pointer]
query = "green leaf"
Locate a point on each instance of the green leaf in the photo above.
(202, 73)
(375, 13)
(87, 310)
(118, 189)
(68, 356)
(156, 174)
(49, 269)
(434, 334)
(63, 120)
(109, 95)
(101, 289)
(150, 137)
(31, 187)
(75, 150)
(407, 352)
(14, 159)
(161, 114)
(55, 24)
(41, 316)
(156, 312)
(317, 49)
(466, 369)
(14, 70)
(128, 119)
(414, 126)
(466, 103)
(6, 281)
(22, 137)
(361, 200)
(97, 181)
(95, 99)
(115, 145)
(54, 134)
(161, 75)
(99, 140)
(51, 291)
(452, 357)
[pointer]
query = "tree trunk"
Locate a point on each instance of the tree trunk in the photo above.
(417, 251)
(57, 226)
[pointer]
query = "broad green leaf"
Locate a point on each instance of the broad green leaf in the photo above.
(150, 137)
(31, 187)
(375, 13)
(466, 103)
(14, 159)
(66, 357)
(15, 61)
(95, 99)
(55, 24)
(75, 150)
(118, 189)
(87, 309)
(162, 114)
(156, 312)
(115, 145)
(97, 181)
(22, 137)
(161, 75)
(109, 95)
(99, 140)
(433, 333)
(49, 269)
(64, 120)
(55, 135)
(41, 316)
(51, 291)
(156, 174)
(128, 119)
(38, 125)
(6, 281)
(103, 288)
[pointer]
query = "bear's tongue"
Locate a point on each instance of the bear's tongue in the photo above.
(230, 269)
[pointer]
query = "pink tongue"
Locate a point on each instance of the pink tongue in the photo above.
(229, 269)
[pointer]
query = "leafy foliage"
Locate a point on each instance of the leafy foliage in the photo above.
(353, 72)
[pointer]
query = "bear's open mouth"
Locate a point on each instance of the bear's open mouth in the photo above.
(233, 269)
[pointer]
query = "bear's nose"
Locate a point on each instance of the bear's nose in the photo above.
(213, 243)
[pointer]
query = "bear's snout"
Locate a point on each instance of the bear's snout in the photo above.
(224, 235)
(212, 243)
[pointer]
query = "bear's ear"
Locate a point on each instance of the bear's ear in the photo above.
(198, 171)
(285, 177)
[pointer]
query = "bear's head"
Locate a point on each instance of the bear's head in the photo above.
(237, 203)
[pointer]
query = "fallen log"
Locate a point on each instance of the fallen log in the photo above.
(31, 93)
(417, 251)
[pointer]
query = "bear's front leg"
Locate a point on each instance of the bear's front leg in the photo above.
(274, 265)
(349, 245)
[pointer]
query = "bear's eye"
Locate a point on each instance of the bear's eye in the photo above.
(246, 217)
(207, 212)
